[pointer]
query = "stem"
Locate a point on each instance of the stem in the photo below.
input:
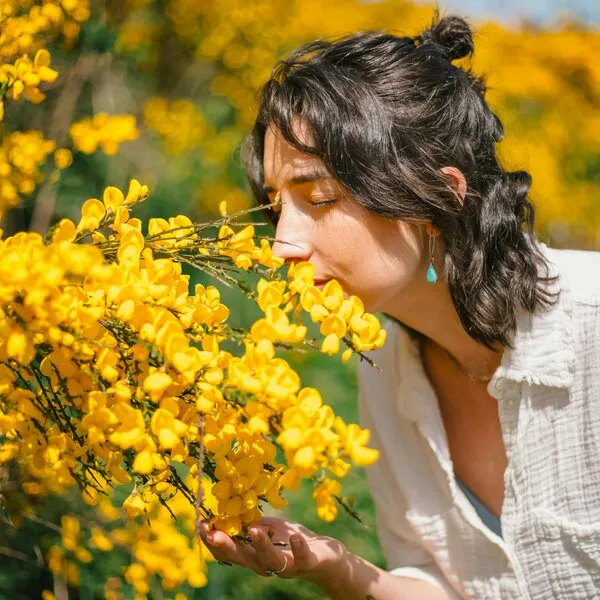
(199, 475)
(62, 116)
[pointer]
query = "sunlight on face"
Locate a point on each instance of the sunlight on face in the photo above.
(374, 258)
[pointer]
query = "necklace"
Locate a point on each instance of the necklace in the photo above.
(458, 365)
(471, 376)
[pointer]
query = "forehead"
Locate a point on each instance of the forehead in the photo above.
(280, 160)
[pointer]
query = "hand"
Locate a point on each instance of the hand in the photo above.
(309, 556)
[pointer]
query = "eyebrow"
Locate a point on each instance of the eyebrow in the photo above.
(309, 177)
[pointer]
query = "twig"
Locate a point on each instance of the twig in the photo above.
(61, 591)
(14, 554)
(200, 491)
(61, 118)
(47, 524)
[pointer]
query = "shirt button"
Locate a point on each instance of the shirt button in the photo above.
(510, 403)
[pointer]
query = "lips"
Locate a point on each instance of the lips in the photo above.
(319, 283)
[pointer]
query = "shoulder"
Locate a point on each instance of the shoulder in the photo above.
(578, 272)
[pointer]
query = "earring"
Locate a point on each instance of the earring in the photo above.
(431, 274)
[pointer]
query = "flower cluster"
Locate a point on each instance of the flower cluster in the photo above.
(21, 156)
(103, 131)
(166, 548)
(26, 24)
(241, 247)
(25, 76)
(179, 123)
(113, 373)
(340, 316)
(26, 27)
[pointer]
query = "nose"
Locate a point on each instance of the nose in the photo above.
(292, 236)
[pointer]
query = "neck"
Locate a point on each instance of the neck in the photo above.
(429, 310)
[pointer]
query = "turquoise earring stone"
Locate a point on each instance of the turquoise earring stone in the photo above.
(431, 274)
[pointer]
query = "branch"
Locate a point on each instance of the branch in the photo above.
(61, 118)
(6, 551)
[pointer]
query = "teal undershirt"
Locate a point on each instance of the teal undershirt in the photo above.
(485, 514)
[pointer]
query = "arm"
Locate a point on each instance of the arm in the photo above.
(322, 560)
(354, 578)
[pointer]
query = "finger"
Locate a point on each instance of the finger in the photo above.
(203, 529)
(279, 524)
(267, 556)
(225, 549)
(284, 525)
(273, 533)
(304, 558)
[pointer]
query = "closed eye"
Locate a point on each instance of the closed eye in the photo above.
(323, 202)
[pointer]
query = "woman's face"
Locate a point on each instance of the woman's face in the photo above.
(374, 258)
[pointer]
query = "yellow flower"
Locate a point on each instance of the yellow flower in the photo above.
(305, 458)
(143, 463)
(70, 531)
(104, 131)
(92, 213)
(63, 158)
(346, 354)
(156, 384)
(331, 344)
(100, 540)
(300, 276)
(134, 505)
(333, 293)
(333, 324)
(113, 198)
(131, 427)
(136, 192)
(167, 428)
(324, 495)
(270, 293)
(136, 574)
(64, 231)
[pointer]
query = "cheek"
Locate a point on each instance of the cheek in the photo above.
(377, 260)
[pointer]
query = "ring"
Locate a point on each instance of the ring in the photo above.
(270, 572)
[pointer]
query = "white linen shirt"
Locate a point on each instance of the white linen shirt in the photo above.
(548, 392)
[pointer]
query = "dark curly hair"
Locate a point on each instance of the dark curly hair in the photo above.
(385, 114)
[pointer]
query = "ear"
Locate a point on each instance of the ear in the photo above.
(457, 181)
(431, 230)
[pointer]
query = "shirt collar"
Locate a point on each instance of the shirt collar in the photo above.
(542, 350)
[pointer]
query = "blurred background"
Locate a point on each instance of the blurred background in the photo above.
(182, 78)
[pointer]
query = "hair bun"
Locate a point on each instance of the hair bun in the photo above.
(453, 34)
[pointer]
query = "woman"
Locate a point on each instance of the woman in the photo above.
(383, 156)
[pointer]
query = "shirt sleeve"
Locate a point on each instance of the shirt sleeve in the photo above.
(405, 555)
(408, 559)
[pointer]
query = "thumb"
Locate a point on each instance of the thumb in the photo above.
(304, 558)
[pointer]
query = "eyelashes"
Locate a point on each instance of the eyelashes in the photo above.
(276, 210)
(323, 202)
